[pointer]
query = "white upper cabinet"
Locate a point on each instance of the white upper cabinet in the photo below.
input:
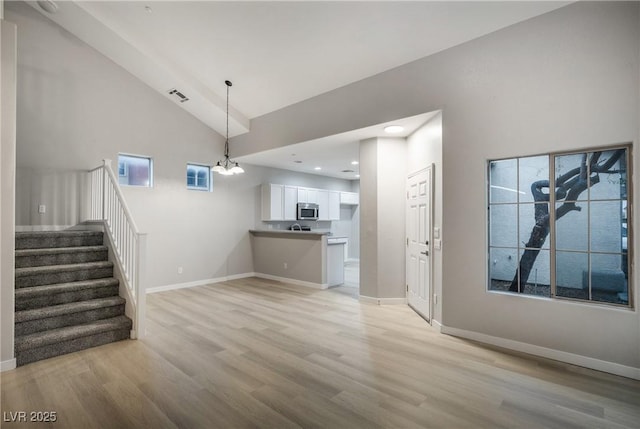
(303, 195)
(279, 202)
(308, 195)
(323, 204)
(290, 201)
(334, 205)
(349, 198)
(313, 196)
(272, 202)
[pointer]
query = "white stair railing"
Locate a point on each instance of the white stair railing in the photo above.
(107, 204)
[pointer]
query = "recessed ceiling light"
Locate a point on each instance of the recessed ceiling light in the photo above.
(354, 162)
(48, 6)
(357, 175)
(394, 129)
(318, 168)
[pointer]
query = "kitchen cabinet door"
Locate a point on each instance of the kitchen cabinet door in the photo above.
(334, 205)
(272, 202)
(313, 196)
(349, 198)
(303, 195)
(290, 201)
(323, 204)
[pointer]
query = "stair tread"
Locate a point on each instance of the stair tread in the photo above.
(67, 233)
(44, 338)
(57, 250)
(49, 239)
(22, 272)
(29, 292)
(69, 308)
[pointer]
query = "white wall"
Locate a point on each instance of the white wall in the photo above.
(424, 148)
(565, 80)
(382, 173)
(7, 189)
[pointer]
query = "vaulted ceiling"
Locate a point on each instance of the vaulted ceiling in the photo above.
(275, 53)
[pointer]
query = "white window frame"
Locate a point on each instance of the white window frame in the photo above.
(126, 168)
(209, 177)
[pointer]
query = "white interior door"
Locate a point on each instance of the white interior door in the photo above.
(419, 201)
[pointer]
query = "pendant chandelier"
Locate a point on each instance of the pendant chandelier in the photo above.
(226, 166)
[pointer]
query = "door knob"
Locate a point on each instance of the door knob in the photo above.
(425, 253)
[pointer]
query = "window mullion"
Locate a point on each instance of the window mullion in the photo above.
(518, 257)
(589, 224)
(552, 226)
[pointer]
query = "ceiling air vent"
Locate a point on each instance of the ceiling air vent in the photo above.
(348, 171)
(179, 96)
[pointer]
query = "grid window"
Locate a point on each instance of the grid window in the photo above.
(571, 243)
(135, 170)
(199, 177)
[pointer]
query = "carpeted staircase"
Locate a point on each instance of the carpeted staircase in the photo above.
(66, 297)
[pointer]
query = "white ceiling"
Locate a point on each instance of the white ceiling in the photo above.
(332, 154)
(275, 53)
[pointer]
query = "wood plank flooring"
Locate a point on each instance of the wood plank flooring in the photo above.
(253, 353)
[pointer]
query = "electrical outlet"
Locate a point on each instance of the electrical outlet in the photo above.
(285, 265)
(179, 270)
(42, 209)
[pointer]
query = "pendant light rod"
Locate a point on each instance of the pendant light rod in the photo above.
(226, 166)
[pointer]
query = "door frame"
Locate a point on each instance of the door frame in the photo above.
(430, 170)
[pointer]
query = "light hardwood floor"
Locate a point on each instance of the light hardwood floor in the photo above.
(256, 353)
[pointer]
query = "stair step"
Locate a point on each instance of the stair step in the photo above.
(75, 313)
(60, 256)
(51, 274)
(43, 296)
(48, 239)
(46, 344)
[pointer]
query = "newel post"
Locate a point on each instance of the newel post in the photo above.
(140, 285)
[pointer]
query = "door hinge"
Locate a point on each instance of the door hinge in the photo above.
(407, 288)
(407, 241)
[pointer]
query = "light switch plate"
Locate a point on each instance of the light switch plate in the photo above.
(436, 232)
(437, 244)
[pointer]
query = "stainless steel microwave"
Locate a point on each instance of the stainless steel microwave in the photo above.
(307, 211)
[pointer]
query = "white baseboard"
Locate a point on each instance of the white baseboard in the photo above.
(382, 301)
(437, 325)
(7, 365)
(574, 359)
(240, 276)
(33, 228)
(292, 281)
(165, 288)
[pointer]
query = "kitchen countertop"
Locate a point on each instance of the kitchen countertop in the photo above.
(287, 232)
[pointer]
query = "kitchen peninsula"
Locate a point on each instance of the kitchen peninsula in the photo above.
(299, 257)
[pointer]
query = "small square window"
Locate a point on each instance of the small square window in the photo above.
(199, 177)
(134, 170)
